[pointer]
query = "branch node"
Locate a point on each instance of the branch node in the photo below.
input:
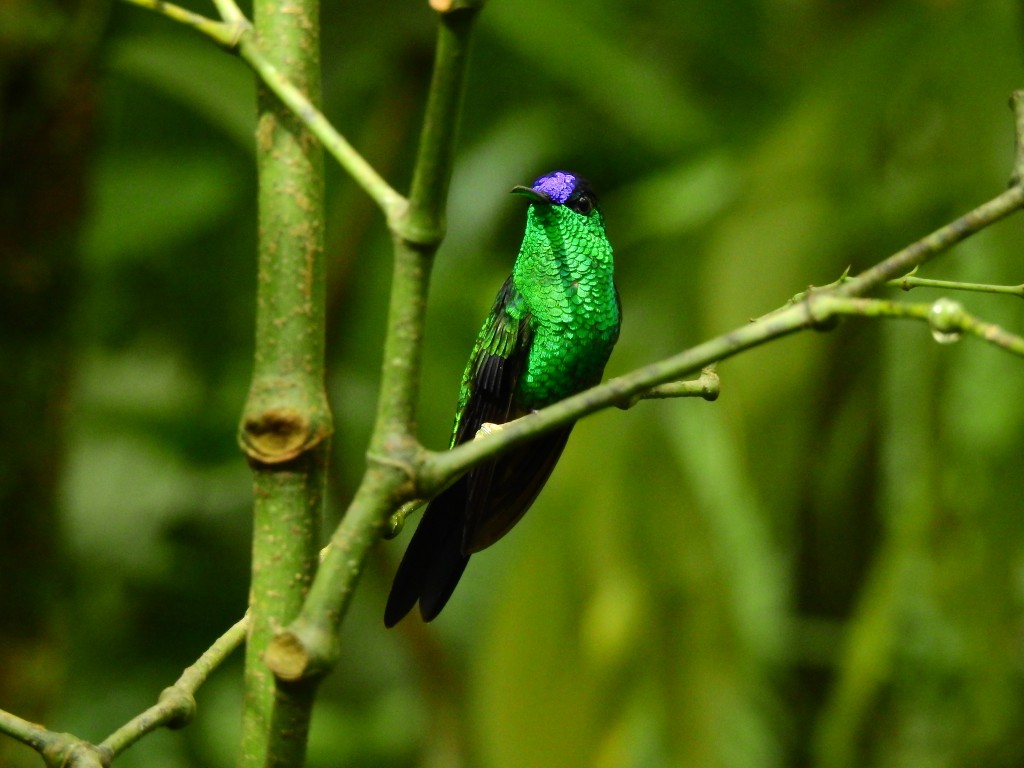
(396, 522)
(946, 320)
(711, 383)
(277, 435)
(818, 320)
(181, 705)
(304, 650)
(450, 6)
(68, 751)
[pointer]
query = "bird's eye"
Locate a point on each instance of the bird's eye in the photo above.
(582, 204)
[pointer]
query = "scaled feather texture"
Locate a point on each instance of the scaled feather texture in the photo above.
(548, 336)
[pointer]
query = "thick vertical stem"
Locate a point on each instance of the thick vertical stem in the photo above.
(286, 424)
(309, 646)
(428, 199)
(419, 232)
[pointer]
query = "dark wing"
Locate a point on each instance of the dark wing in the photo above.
(433, 562)
(498, 499)
(436, 556)
(501, 491)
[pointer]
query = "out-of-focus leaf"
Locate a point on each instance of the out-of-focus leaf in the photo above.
(204, 79)
(568, 48)
(677, 201)
(148, 202)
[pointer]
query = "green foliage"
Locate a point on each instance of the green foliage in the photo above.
(821, 568)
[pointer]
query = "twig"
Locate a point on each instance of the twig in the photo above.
(937, 242)
(364, 174)
(30, 734)
(225, 33)
(908, 282)
(174, 709)
(707, 386)
(177, 703)
(235, 33)
(947, 319)
(230, 12)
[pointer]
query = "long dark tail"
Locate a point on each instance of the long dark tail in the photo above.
(433, 562)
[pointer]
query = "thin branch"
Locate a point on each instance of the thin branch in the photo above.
(230, 12)
(235, 33)
(174, 709)
(707, 386)
(425, 222)
(439, 468)
(308, 646)
(225, 33)
(908, 282)
(947, 319)
(58, 750)
(177, 704)
(364, 174)
(30, 734)
(937, 242)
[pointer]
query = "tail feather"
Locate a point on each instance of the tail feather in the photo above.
(433, 561)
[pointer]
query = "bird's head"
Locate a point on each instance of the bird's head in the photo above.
(561, 188)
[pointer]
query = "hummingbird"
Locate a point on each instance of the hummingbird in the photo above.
(548, 336)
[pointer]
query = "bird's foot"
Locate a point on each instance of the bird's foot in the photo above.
(487, 428)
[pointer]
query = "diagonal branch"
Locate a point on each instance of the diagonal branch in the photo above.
(390, 202)
(224, 33)
(235, 33)
(911, 281)
(177, 703)
(439, 469)
(706, 386)
(174, 709)
(937, 242)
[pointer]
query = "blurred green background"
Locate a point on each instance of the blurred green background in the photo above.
(823, 568)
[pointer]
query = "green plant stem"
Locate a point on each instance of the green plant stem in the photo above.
(286, 424)
(425, 220)
(706, 386)
(307, 647)
(295, 98)
(58, 750)
(230, 12)
(954, 320)
(27, 733)
(438, 469)
(908, 282)
(174, 709)
(176, 706)
(939, 241)
(224, 33)
(1017, 105)
(235, 33)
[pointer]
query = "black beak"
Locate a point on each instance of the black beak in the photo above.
(533, 194)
